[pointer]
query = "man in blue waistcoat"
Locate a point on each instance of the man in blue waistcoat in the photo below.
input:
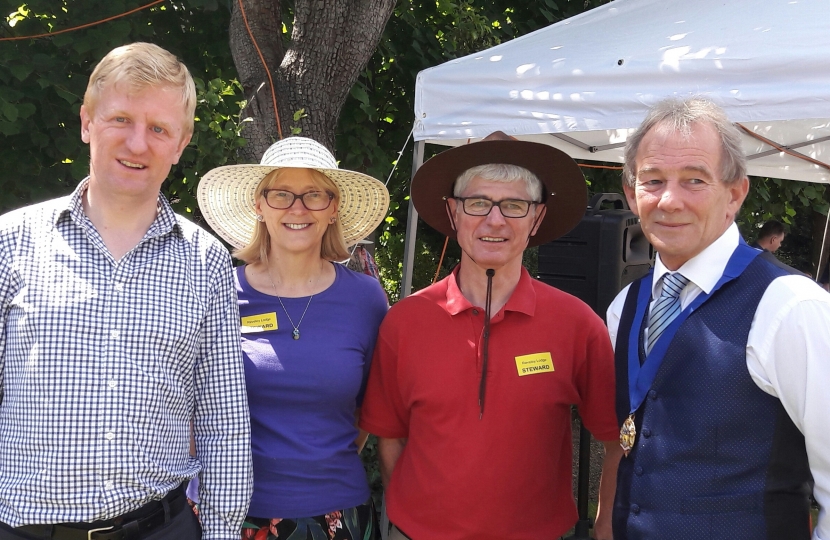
(721, 357)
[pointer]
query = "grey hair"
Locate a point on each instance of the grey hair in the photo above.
(500, 172)
(679, 116)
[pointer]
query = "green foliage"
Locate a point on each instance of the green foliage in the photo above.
(297, 116)
(790, 202)
(370, 459)
(42, 83)
(215, 140)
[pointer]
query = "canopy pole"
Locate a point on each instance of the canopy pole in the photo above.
(411, 226)
(821, 251)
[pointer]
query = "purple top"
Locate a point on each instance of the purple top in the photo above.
(303, 393)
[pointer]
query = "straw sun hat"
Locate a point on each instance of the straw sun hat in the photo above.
(226, 194)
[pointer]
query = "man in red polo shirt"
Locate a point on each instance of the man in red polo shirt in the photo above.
(473, 378)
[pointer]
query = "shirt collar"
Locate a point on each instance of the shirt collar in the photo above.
(523, 298)
(705, 268)
(165, 219)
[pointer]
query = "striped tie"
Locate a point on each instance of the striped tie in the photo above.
(666, 308)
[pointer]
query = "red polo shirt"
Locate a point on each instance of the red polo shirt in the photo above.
(507, 475)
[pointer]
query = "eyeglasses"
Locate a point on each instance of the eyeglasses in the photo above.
(481, 206)
(280, 199)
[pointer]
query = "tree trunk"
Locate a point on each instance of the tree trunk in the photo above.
(331, 43)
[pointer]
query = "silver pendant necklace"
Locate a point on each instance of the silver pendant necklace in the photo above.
(296, 333)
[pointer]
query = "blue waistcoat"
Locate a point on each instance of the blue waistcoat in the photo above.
(715, 456)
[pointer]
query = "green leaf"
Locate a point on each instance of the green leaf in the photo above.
(67, 145)
(39, 139)
(10, 94)
(8, 128)
(25, 110)
(69, 97)
(360, 94)
(20, 71)
(9, 111)
(79, 169)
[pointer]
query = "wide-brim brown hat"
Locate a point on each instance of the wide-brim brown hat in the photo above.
(227, 195)
(565, 195)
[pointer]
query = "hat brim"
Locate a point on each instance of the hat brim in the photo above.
(227, 196)
(566, 195)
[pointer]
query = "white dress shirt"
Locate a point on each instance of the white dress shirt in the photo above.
(787, 351)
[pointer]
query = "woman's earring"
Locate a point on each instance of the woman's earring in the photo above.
(259, 218)
(332, 220)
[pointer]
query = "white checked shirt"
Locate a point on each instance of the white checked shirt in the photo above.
(104, 363)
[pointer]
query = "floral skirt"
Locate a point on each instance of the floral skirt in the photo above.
(357, 523)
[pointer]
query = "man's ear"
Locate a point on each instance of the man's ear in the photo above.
(451, 206)
(631, 197)
(738, 191)
(540, 217)
(182, 145)
(85, 124)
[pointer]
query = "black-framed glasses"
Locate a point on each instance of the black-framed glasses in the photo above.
(481, 206)
(280, 199)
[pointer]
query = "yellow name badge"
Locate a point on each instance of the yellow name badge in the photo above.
(259, 323)
(531, 364)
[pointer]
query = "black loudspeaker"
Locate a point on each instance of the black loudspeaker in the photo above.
(603, 254)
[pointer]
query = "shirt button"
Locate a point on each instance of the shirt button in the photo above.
(652, 394)
(108, 485)
(114, 334)
(112, 383)
(635, 509)
(646, 433)
(119, 287)
(110, 435)
(638, 470)
(475, 312)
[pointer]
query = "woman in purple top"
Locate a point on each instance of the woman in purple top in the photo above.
(308, 332)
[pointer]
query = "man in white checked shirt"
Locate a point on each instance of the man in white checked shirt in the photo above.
(119, 327)
(721, 356)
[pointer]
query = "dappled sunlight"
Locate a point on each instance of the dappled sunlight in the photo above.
(521, 70)
(673, 56)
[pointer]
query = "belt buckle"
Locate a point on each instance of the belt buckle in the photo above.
(89, 532)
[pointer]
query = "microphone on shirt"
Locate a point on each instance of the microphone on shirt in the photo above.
(488, 299)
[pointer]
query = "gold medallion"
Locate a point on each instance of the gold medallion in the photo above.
(628, 433)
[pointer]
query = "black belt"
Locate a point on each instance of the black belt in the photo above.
(130, 526)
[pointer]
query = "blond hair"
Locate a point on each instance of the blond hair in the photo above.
(333, 246)
(142, 66)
